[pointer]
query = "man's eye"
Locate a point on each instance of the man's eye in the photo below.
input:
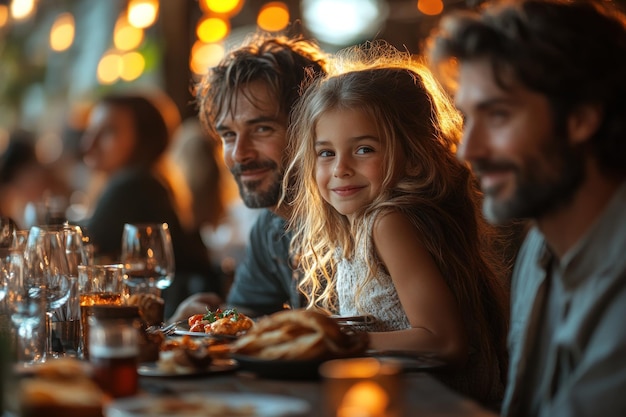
(264, 129)
(228, 137)
(498, 116)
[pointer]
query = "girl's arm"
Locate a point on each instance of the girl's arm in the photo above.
(436, 324)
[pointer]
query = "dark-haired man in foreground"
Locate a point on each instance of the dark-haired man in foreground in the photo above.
(542, 86)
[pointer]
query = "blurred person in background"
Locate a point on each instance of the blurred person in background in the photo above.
(30, 192)
(126, 139)
(195, 157)
(216, 208)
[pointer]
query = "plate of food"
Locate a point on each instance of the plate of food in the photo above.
(279, 368)
(163, 368)
(209, 405)
(182, 332)
(292, 344)
(224, 324)
(354, 320)
(189, 356)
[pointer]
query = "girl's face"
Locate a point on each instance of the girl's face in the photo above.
(349, 160)
(109, 141)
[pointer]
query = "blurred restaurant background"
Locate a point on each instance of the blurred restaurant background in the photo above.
(58, 56)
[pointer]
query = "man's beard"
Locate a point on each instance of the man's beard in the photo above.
(250, 191)
(542, 185)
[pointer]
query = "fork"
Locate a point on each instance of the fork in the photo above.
(167, 330)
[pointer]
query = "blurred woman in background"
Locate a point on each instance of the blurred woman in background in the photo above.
(126, 139)
(30, 192)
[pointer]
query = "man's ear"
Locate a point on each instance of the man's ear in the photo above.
(584, 121)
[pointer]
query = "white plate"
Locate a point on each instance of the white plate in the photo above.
(354, 320)
(188, 333)
(218, 366)
(203, 334)
(262, 405)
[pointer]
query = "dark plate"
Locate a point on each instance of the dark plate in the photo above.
(218, 366)
(279, 369)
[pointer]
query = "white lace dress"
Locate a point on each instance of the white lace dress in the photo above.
(378, 298)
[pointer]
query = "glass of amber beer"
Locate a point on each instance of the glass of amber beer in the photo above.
(114, 348)
(98, 285)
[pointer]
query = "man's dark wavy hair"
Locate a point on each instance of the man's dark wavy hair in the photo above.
(281, 62)
(571, 51)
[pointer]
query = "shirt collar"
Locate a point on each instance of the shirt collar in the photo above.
(601, 246)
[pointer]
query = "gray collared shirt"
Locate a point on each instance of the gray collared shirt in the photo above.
(567, 340)
(266, 280)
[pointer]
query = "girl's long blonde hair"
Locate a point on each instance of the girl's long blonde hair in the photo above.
(415, 118)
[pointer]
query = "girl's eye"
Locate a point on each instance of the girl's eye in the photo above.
(364, 150)
(325, 153)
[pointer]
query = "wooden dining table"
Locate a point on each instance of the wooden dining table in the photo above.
(422, 393)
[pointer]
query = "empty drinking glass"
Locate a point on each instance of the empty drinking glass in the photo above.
(46, 273)
(148, 256)
(25, 309)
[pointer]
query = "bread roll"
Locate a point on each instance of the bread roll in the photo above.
(295, 334)
(151, 307)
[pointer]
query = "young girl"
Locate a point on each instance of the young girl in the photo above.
(387, 221)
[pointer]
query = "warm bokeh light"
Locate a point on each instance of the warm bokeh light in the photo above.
(126, 36)
(110, 68)
(273, 17)
(133, 65)
(344, 22)
(142, 13)
(204, 56)
(226, 7)
(430, 7)
(22, 9)
(62, 32)
(212, 29)
(4, 15)
(365, 398)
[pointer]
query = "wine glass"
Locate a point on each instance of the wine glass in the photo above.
(46, 273)
(7, 231)
(65, 326)
(147, 256)
(25, 309)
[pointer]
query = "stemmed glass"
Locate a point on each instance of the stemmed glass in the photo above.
(25, 309)
(46, 273)
(75, 253)
(7, 232)
(147, 256)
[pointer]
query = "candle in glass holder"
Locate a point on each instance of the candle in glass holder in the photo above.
(362, 387)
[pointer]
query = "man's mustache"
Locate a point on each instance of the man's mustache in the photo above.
(483, 166)
(239, 169)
